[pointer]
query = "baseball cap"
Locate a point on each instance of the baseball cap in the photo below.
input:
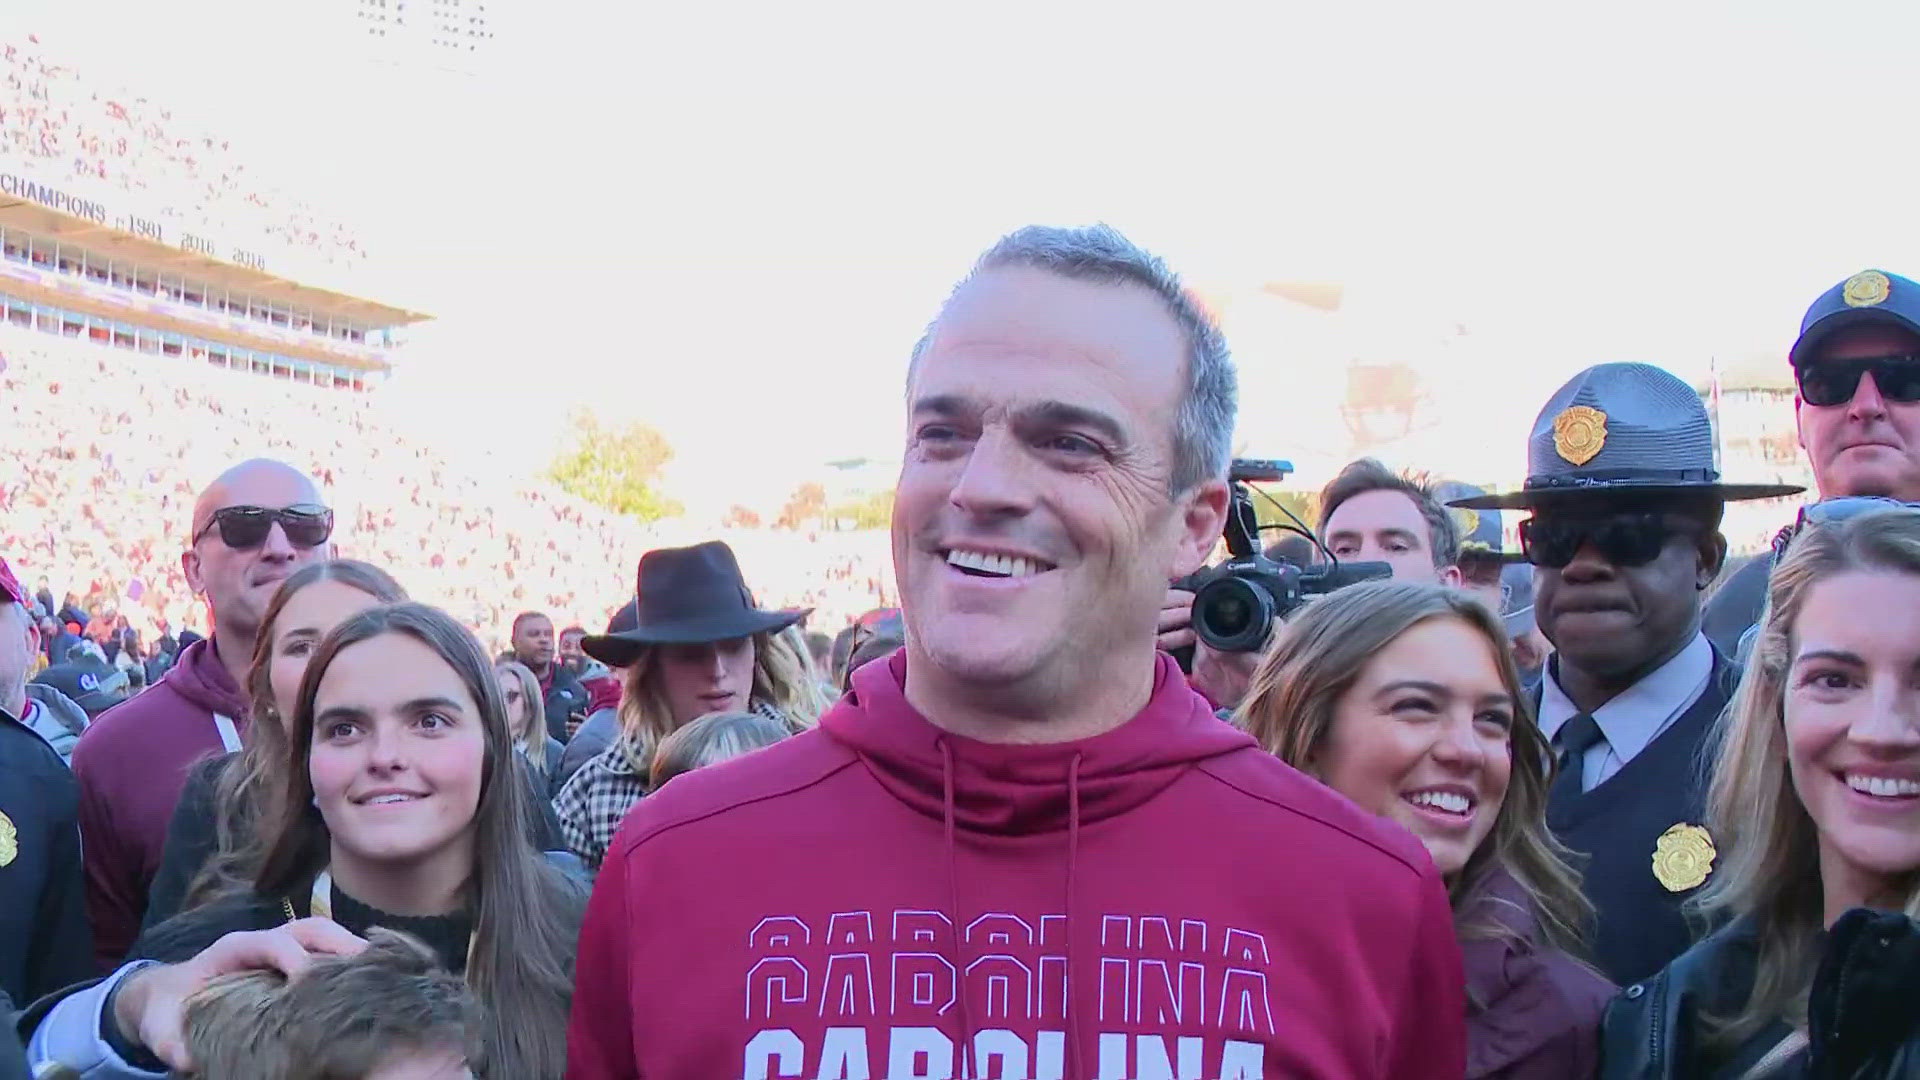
(1516, 589)
(1870, 296)
(10, 590)
(93, 684)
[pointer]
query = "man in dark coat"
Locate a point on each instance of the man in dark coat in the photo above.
(1856, 366)
(1625, 535)
(44, 942)
(533, 645)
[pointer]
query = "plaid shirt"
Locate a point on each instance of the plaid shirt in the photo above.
(595, 800)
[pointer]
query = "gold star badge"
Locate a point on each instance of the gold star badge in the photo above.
(1866, 288)
(1579, 433)
(9, 840)
(1683, 857)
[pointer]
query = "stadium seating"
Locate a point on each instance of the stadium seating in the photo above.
(107, 448)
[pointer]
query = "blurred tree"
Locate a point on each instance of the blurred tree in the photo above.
(874, 511)
(807, 503)
(616, 468)
(739, 517)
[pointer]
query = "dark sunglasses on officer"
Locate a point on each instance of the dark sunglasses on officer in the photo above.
(1834, 382)
(244, 528)
(1623, 537)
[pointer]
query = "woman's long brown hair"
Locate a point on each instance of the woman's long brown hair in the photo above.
(526, 914)
(254, 780)
(1769, 847)
(1318, 657)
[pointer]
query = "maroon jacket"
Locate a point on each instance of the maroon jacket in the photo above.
(878, 892)
(131, 764)
(1533, 1012)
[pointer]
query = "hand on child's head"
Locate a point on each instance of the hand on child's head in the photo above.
(422, 1064)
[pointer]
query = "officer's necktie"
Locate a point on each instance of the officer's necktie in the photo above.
(1575, 737)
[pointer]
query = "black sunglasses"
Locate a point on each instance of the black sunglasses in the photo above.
(244, 528)
(1628, 538)
(1833, 382)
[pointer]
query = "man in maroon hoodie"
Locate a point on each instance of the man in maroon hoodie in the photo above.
(1024, 846)
(252, 527)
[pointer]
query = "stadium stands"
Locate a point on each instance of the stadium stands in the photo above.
(108, 447)
(76, 128)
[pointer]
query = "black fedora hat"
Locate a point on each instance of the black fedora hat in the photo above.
(1622, 428)
(687, 596)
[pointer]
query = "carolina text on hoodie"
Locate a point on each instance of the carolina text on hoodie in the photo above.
(878, 898)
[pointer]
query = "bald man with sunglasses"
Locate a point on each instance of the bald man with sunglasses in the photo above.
(256, 524)
(1624, 539)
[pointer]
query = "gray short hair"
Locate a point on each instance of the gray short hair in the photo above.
(1203, 423)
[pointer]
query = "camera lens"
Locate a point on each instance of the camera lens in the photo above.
(1233, 614)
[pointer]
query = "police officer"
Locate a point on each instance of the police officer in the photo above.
(1624, 537)
(1856, 370)
(44, 941)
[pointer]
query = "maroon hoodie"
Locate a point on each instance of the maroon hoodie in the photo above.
(131, 764)
(1160, 900)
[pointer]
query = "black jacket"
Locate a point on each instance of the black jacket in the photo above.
(193, 836)
(564, 698)
(13, 1055)
(44, 940)
(1863, 1011)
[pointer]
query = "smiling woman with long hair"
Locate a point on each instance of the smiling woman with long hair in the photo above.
(1404, 698)
(1815, 803)
(401, 810)
(215, 835)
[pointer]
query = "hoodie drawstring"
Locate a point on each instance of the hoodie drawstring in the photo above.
(1074, 1070)
(953, 911)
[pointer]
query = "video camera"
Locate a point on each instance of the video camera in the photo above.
(1235, 603)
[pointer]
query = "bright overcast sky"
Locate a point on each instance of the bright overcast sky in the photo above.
(736, 218)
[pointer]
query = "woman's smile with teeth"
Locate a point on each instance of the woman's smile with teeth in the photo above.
(1451, 802)
(1886, 787)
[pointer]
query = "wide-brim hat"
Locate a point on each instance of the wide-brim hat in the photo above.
(1482, 533)
(687, 596)
(1870, 296)
(1617, 429)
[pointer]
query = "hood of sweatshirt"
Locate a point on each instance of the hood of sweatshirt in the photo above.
(1007, 790)
(202, 679)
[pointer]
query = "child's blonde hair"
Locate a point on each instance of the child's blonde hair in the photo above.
(714, 738)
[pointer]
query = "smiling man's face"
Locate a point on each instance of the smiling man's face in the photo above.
(1869, 444)
(1034, 529)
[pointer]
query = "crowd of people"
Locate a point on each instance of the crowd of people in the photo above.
(115, 140)
(101, 471)
(1585, 805)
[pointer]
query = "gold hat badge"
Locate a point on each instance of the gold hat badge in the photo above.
(9, 840)
(1866, 288)
(1579, 433)
(1683, 857)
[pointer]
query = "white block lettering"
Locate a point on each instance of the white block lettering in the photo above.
(772, 1053)
(919, 1053)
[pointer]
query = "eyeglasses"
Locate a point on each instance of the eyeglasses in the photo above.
(1629, 538)
(244, 528)
(1833, 382)
(1829, 511)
